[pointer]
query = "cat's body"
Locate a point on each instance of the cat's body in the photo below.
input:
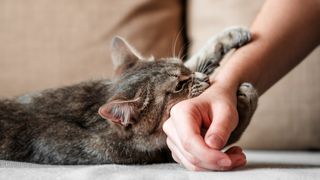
(119, 120)
(47, 128)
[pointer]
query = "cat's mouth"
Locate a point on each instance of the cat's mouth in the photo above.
(200, 82)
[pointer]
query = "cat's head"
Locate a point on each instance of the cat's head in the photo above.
(145, 89)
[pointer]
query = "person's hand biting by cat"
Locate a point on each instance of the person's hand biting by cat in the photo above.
(215, 112)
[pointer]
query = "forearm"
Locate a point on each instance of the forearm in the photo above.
(284, 32)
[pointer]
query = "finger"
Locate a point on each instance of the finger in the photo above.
(176, 154)
(175, 157)
(224, 122)
(172, 148)
(237, 156)
(174, 141)
(191, 146)
(234, 150)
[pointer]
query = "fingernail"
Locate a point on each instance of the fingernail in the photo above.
(240, 162)
(215, 142)
(225, 162)
(244, 155)
(236, 151)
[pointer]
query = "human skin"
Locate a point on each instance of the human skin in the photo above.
(284, 32)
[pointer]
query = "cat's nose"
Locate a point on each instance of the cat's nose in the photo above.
(201, 77)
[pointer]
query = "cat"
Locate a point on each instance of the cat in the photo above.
(118, 120)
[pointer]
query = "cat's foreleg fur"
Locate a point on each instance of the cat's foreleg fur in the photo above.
(218, 46)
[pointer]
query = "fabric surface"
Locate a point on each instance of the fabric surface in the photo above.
(45, 43)
(288, 115)
(262, 165)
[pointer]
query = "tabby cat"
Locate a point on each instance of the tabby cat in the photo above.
(118, 120)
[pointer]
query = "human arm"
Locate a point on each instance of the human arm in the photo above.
(284, 32)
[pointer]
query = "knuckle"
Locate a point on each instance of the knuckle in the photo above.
(173, 111)
(193, 160)
(165, 126)
(171, 145)
(174, 157)
(168, 143)
(187, 146)
(181, 107)
(175, 108)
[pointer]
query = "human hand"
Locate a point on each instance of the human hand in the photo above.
(199, 128)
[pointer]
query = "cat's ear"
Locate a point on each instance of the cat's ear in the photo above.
(120, 111)
(123, 55)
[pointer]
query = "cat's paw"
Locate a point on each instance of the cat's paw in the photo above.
(235, 37)
(247, 97)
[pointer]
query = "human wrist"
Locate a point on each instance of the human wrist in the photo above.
(220, 89)
(243, 66)
(226, 83)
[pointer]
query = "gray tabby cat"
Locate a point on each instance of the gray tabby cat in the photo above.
(118, 120)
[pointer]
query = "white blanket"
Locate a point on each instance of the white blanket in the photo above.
(262, 165)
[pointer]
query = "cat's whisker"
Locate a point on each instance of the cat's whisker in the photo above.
(183, 57)
(197, 65)
(201, 65)
(175, 42)
(182, 49)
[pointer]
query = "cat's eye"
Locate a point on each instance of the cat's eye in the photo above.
(180, 86)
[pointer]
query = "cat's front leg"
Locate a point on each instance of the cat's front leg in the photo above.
(209, 57)
(247, 100)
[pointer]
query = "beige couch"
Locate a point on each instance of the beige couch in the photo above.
(49, 43)
(45, 44)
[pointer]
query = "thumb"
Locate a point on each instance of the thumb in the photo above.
(223, 123)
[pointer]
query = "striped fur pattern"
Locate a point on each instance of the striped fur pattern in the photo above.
(116, 120)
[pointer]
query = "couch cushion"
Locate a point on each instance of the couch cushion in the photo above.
(288, 115)
(45, 43)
